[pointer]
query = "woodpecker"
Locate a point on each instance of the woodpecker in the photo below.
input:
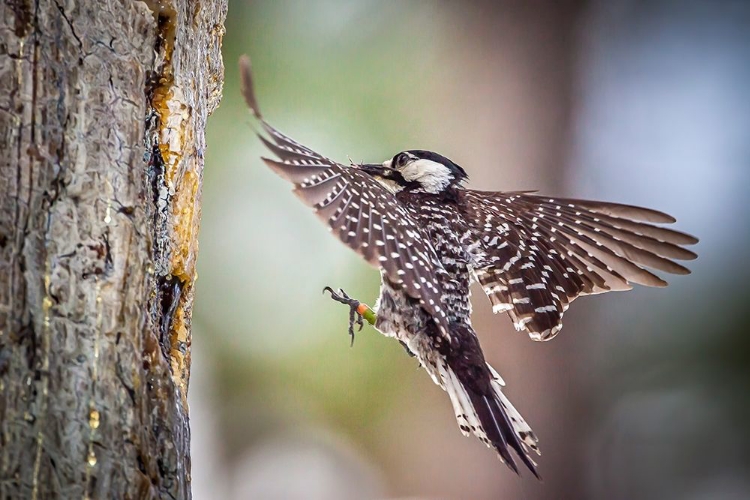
(431, 237)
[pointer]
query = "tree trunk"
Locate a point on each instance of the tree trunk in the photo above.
(103, 105)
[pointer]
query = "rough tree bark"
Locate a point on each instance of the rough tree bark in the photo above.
(103, 105)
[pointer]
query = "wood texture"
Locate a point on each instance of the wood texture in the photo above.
(103, 106)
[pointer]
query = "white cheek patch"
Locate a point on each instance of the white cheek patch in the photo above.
(433, 176)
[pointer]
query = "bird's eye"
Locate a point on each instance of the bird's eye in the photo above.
(401, 159)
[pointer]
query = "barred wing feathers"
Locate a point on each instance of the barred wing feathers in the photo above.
(540, 253)
(359, 211)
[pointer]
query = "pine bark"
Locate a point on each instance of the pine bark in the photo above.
(103, 106)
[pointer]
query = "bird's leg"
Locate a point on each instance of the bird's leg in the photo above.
(357, 310)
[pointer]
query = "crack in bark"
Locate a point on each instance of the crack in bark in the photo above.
(44, 372)
(70, 25)
(22, 11)
(46, 301)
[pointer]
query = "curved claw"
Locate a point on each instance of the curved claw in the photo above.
(354, 314)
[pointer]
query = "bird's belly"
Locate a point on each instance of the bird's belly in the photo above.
(399, 315)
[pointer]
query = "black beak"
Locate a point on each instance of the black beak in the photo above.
(375, 169)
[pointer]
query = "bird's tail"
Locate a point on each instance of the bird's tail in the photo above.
(492, 418)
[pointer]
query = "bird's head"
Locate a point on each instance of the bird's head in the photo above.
(418, 169)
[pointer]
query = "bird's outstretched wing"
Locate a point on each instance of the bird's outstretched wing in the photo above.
(358, 210)
(541, 253)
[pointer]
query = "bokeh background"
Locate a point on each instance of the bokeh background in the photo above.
(644, 395)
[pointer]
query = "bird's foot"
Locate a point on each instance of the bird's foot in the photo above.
(356, 309)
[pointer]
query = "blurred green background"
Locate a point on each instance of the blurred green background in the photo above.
(643, 395)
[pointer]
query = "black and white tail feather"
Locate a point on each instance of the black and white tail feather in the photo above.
(491, 417)
(481, 410)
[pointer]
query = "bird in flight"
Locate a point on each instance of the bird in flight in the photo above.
(430, 237)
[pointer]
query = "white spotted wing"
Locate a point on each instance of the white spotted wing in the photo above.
(364, 215)
(539, 253)
(358, 210)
